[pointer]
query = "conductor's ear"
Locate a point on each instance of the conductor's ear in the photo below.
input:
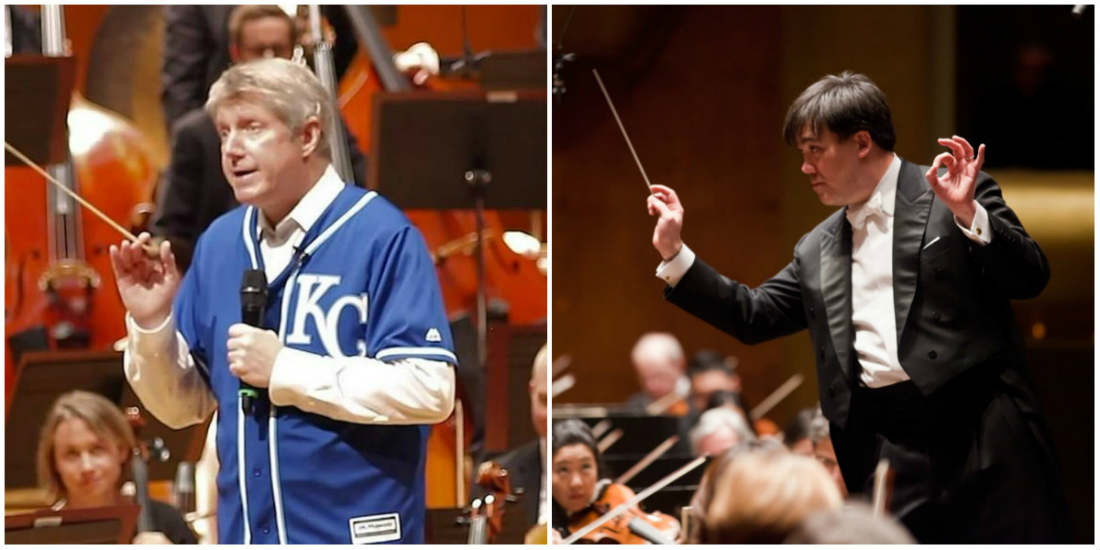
(863, 143)
(311, 135)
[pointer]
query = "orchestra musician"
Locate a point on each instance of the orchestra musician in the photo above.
(906, 293)
(581, 495)
(332, 448)
(760, 497)
(84, 448)
(659, 362)
(198, 48)
(574, 471)
(709, 372)
(525, 463)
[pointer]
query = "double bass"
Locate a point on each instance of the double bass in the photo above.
(57, 287)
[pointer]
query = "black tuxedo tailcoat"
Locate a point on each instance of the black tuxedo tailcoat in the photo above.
(973, 457)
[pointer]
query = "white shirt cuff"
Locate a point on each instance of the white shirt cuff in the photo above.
(150, 341)
(979, 230)
(673, 270)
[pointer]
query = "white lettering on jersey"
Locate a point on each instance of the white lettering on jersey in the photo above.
(311, 288)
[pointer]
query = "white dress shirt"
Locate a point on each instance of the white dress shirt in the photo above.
(163, 374)
(873, 318)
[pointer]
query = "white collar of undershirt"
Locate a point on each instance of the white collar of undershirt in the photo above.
(309, 208)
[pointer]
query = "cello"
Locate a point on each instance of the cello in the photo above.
(56, 256)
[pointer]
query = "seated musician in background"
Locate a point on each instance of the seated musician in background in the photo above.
(719, 429)
(725, 399)
(84, 450)
(579, 491)
(574, 470)
(704, 493)
(197, 49)
(195, 188)
(797, 435)
(24, 31)
(852, 523)
(659, 362)
(823, 449)
(524, 464)
(710, 372)
(761, 497)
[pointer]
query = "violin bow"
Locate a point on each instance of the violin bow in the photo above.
(622, 129)
(883, 488)
(661, 405)
(610, 440)
(776, 396)
(150, 249)
(648, 459)
(601, 428)
(664, 482)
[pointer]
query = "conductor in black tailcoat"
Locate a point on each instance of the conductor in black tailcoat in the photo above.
(905, 290)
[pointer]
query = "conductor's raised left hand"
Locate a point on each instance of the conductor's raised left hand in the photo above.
(251, 353)
(956, 186)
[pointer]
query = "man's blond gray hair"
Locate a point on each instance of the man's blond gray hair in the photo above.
(288, 90)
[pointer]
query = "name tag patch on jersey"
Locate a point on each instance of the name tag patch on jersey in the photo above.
(374, 529)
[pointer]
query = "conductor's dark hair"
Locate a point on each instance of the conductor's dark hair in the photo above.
(570, 432)
(845, 104)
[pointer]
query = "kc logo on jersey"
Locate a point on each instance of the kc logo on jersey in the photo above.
(311, 288)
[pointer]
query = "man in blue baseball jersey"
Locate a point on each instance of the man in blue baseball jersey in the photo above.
(354, 359)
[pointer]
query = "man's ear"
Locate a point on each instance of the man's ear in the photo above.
(863, 143)
(234, 54)
(311, 136)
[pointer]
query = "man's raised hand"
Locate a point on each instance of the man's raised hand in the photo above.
(955, 187)
(147, 284)
(664, 203)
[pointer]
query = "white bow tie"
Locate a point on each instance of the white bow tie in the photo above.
(858, 216)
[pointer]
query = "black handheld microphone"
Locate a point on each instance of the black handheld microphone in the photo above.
(253, 303)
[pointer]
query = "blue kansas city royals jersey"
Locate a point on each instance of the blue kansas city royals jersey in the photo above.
(365, 286)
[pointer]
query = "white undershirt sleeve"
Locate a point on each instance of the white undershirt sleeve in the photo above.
(364, 390)
(158, 364)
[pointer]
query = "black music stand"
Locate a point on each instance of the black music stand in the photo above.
(109, 525)
(43, 376)
(461, 150)
(37, 93)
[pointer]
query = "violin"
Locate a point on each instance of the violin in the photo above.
(624, 527)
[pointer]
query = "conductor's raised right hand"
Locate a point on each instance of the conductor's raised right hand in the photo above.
(664, 203)
(146, 283)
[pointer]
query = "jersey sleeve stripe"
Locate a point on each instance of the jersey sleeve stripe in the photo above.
(416, 352)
